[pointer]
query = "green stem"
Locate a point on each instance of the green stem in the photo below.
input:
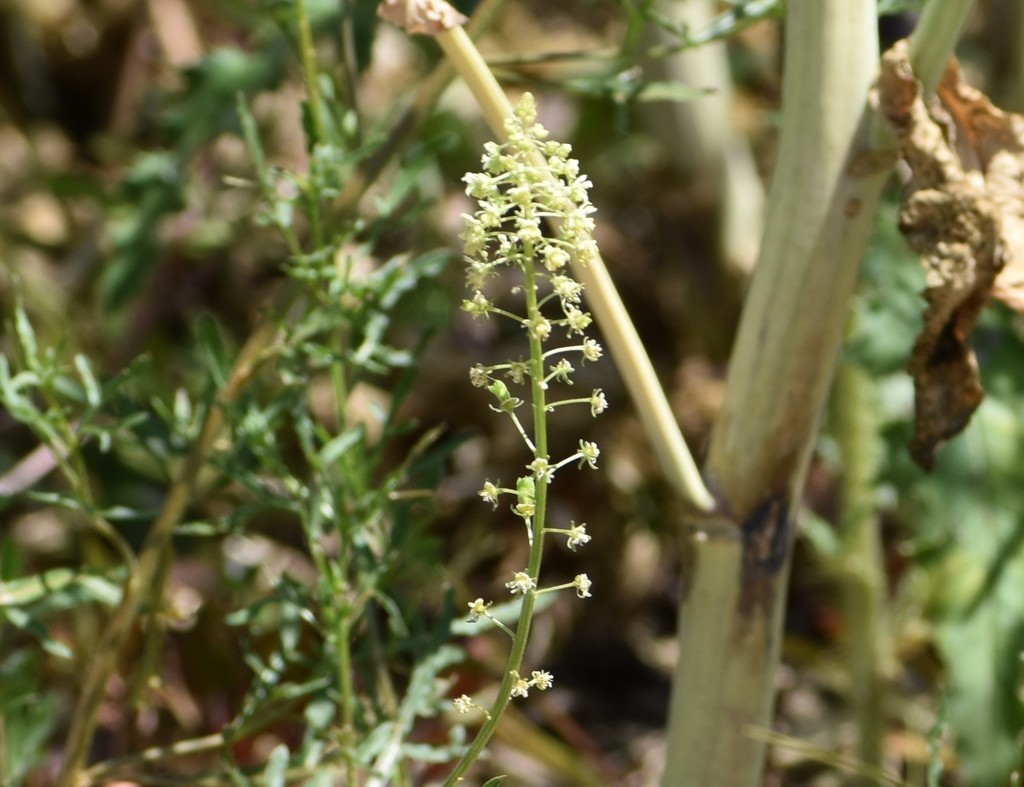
(350, 67)
(307, 52)
(316, 110)
(862, 580)
(522, 633)
(934, 37)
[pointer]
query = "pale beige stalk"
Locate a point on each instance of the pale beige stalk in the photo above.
(820, 215)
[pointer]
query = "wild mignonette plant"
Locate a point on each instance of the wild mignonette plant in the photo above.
(527, 184)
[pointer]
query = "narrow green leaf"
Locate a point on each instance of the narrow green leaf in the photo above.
(212, 346)
(251, 135)
(62, 588)
(339, 446)
(277, 767)
(26, 338)
(28, 623)
(92, 389)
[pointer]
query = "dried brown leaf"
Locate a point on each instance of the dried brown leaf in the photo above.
(963, 211)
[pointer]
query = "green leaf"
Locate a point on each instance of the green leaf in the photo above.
(62, 588)
(30, 624)
(26, 338)
(211, 344)
(28, 716)
(339, 446)
(152, 189)
(92, 389)
(666, 91)
(277, 767)
(495, 781)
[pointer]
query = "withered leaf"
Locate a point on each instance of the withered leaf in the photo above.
(963, 211)
(429, 17)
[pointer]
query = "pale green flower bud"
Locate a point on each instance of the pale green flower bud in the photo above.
(506, 401)
(526, 497)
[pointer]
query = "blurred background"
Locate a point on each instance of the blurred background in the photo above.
(127, 229)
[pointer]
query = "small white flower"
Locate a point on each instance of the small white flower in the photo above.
(542, 680)
(591, 350)
(518, 371)
(480, 186)
(521, 583)
(598, 404)
(520, 195)
(477, 609)
(586, 250)
(526, 508)
(582, 584)
(561, 371)
(479, 376)
(568, 290)
(541, 468)
(555, 258)
(489, 493)
(540, 328)
(589, 453)
(478, 306)
(577, 320)
(520, 687)
(474, 237)
(463, 704)
(577, 535)
(528, 229)
(490, 214)
(478, 273)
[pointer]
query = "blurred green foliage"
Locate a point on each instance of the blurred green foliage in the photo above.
(962, 526)
(324, 614)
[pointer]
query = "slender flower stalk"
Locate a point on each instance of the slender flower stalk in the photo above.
(528, 183)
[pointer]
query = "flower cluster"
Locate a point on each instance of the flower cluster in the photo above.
(532, 225)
